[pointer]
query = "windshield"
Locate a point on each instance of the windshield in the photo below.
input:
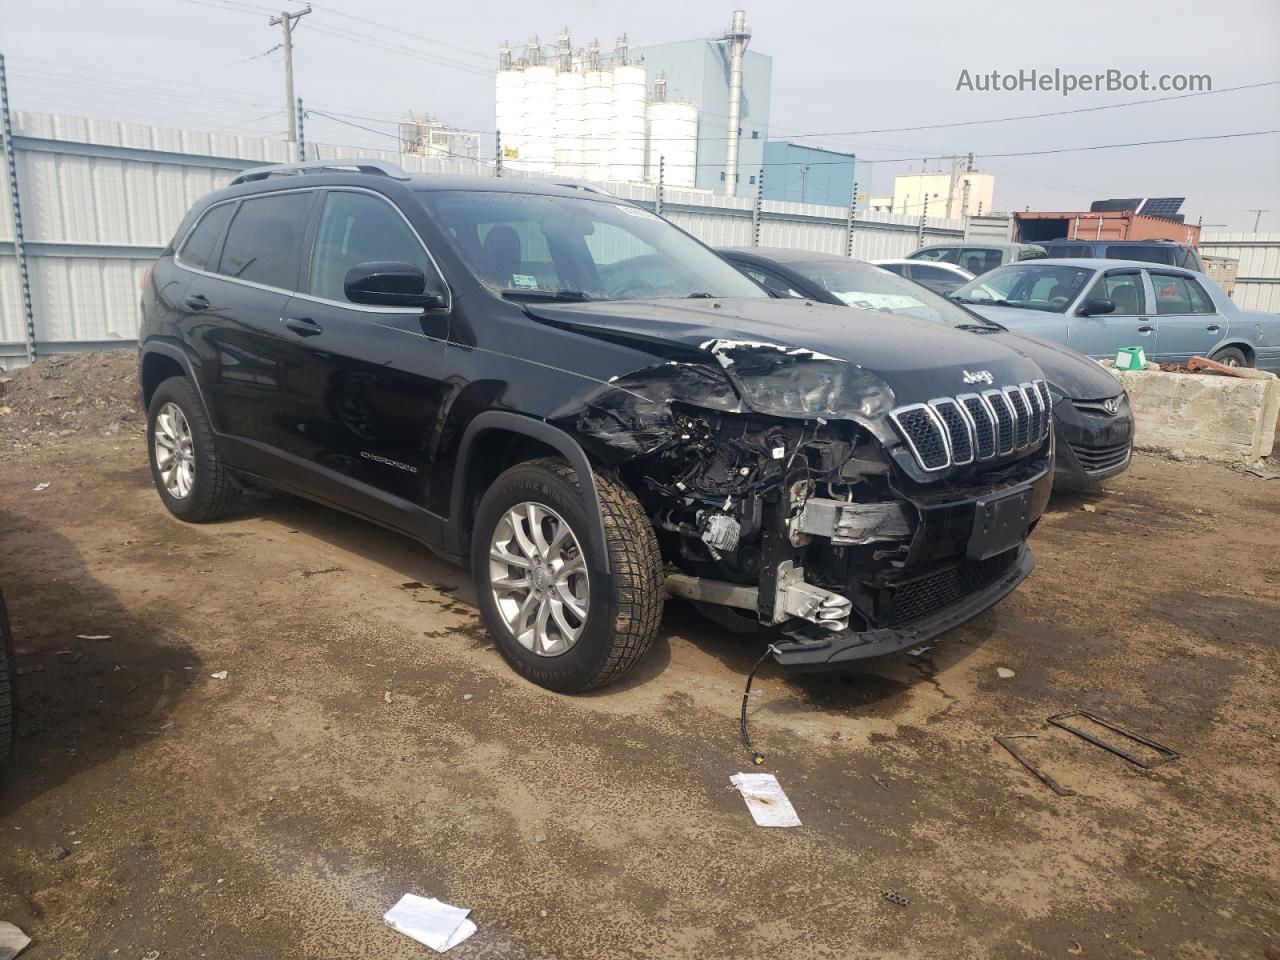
(1030, 286)
(872, 288)
(537, 247)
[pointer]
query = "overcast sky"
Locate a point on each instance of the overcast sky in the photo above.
(837, 66)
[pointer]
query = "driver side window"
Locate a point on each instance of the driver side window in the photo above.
(358, 228)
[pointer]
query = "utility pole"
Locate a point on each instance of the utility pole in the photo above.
(497, 153)
(804, 178)
(1257, 216)
(286, 20)
(924, 215)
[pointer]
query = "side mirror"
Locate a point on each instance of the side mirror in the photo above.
(1096, 306)
(391, 283)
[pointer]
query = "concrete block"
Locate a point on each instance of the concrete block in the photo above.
(1228, 419)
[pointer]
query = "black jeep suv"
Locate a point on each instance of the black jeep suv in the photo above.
(591, 406)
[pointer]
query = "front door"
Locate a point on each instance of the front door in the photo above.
(369, 385)
(1190, 324)
(1128, 326)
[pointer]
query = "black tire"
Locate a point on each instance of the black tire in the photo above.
(625, 607)
(214, 491)
(6, 684)
(1231, 356)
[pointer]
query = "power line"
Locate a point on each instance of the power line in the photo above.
(1040, 116)
(488, 58)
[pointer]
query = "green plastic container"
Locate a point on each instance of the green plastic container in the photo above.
(1130, 358)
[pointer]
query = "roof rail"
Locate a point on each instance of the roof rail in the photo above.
(377, 167)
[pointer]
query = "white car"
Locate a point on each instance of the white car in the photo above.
(939, 277)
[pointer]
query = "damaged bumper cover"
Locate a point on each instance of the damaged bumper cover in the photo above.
(848, 646)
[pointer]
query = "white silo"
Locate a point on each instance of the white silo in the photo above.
(510, 114)
(627, 154)
(570, 123)
(673, 136)
(597, 133)
(539, 118)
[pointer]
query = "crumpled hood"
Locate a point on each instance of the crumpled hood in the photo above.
(1073, 374)
(917, 359)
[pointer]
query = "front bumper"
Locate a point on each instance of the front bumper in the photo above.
(1090, 445)
(848, 646)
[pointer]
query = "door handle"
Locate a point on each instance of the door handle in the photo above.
(197, 301)
(1146, 328)
(1213, 328)
(302, 326)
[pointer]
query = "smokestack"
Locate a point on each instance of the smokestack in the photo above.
(737, 38)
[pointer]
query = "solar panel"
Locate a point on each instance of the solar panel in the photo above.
(1166, 207)
(1115, 206)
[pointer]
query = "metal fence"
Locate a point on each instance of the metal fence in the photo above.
(98, 200)
(1258, 275)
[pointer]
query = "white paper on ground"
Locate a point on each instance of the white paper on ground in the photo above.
(765, 799)
(429, 921)
(12, 941)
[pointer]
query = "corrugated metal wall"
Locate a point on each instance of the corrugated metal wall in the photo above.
(100, 199)
(1258, 277)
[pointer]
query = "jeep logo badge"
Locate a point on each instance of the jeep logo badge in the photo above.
(978, 376)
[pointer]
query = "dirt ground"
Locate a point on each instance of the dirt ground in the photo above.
(368, 741)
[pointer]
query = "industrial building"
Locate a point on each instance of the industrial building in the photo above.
(699, 108)
(428, 137)
(958, 193)
(800, 173)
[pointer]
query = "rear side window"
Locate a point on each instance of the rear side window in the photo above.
(937, 274)
(201, 245)
(979, 259)
(1068, 250)
(1145, 254)
(264, 238)
(899, 268)
(1176, 294)
(356, 228)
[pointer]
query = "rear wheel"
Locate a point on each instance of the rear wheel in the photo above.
(1231, 357)
(557, 617)
(189, 475)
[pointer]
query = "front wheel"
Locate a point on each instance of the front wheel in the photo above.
(557, 617)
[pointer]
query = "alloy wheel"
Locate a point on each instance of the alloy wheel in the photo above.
(538, 576)
(174, 451)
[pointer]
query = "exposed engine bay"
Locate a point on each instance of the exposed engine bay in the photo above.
(778, 487)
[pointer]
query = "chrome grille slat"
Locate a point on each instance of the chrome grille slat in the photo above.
(959, 430)
(984, 424)
(1021, 417)
(955, 431)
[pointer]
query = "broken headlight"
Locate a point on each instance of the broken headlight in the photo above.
(787, 386)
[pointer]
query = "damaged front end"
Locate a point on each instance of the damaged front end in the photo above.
(782, 483)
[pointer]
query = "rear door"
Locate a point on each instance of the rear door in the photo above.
(1190, 324)
(365, 381)
(1129, 326)
(234, 303)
